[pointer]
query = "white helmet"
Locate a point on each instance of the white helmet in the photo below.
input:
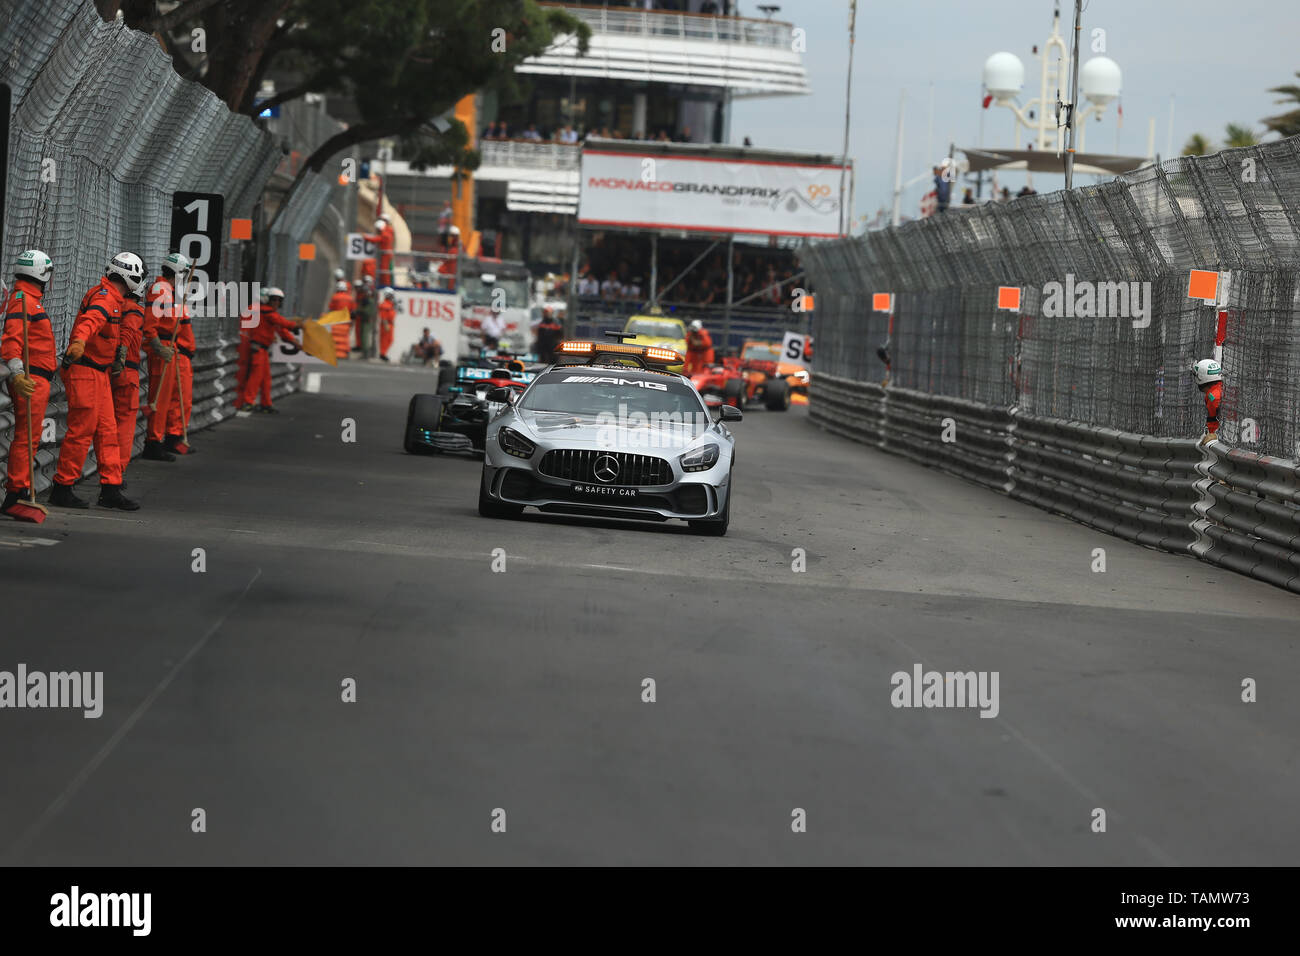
(127, 267)
(1207, 371)
(338, 274)
(380, 223)
(274, 292)
(696, 325)
(34, 264)
(342, 286)
(454, 230)
(387, 292)
(176, 264)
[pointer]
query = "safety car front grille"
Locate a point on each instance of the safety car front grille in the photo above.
(579, 464)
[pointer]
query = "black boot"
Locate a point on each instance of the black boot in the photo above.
(154, 451)
(268, 410)
(61, 496)
(110, 496)
(12, 498)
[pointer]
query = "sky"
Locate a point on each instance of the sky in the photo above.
(1217, 60)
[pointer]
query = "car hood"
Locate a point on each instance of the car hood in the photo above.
(577, 431)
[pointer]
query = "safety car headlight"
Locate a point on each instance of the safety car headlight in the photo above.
(513, 443)
(701, 459)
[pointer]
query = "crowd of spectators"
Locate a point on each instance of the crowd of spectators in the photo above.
(617, 271)
(723, 8)
(501, 131)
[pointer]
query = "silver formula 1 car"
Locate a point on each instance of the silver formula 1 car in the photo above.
(609, 432)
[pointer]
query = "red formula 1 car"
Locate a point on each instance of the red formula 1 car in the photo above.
(755, 375)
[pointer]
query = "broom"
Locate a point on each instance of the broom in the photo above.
(28, 510)
(153, 406)
(180, 396)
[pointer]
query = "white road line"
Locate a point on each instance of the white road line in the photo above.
(614, 567)
(44, 541)
(313, 381)
(54, 809)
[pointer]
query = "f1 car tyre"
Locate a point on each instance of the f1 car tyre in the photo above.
(495, 509)
(446, 377)
(776, 395)
(733, 392)
(425, 411)
(717, 527)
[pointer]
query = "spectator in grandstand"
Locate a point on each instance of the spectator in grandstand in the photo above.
(569, 134)
(1026, 191)
(748, 142)
(428, 349)
(587, 285)
(709, 7)
(531, 133)
(968, 199)
(611, 288)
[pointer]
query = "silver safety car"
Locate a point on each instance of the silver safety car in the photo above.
(609, 431)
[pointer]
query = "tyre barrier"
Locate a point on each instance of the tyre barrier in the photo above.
(1226, 506)
(213, 398)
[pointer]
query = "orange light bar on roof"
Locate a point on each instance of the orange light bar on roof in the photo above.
(667, 356)
(575, 348)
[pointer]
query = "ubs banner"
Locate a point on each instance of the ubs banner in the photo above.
(709, 194)
(418, 309)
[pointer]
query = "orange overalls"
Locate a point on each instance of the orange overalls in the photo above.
(699, 351)
(43, 360)
(245, 349)
(90, 396)
(385, 241)
(343, 301)
(126, 384)
(387, 319)
(1213, 396)
(170, 416)
(262, 337)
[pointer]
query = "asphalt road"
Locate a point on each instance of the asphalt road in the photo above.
(521, 690)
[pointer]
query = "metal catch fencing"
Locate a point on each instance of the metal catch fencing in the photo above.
(1106, 333)
(102, 133)
(1082, 402)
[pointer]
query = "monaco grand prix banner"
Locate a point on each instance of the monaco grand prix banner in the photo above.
(709, 194)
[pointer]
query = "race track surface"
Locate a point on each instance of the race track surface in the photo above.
(521, 690)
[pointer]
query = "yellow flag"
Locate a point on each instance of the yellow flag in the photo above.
(335, 317)
(318, 341)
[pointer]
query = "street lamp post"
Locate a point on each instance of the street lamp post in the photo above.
(1004, 77)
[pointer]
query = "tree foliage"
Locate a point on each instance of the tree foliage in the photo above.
(1288, 123)
(404, 63)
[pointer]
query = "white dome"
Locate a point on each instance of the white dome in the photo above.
(1004, 75)
(1099, 79)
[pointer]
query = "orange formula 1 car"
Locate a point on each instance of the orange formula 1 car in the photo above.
(759, 373)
